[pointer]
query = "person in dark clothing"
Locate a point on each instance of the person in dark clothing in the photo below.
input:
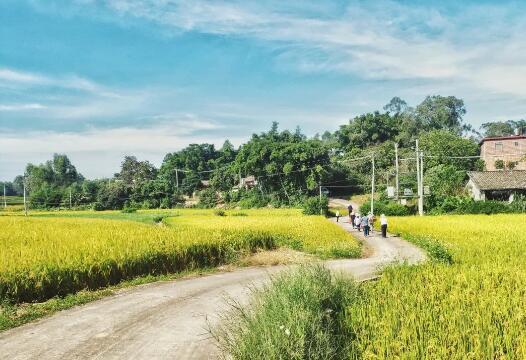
(365, 225)
(383, 224)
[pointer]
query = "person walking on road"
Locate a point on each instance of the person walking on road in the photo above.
(358, 222)
(337, 216)
(350, 209)
(371, 221)
(352, 216)
(383, 224)
(365, 225)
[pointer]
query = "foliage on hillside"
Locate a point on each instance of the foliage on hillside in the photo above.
(288, 167)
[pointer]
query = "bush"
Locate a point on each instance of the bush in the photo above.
(129, 210)
(519, 204)
(208, 198)
(252, 199)
(388, 208)
(316, 206)
(98, 206)
(219, 212)
(239, 214)
(300, 315)
(466, 205)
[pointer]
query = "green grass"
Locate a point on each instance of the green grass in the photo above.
(300, 315)
(149, 217)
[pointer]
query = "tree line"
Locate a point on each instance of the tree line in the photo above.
(287, 166)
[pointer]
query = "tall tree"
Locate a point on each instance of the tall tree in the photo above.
(439, 112)
(134, 172)
(396, 106)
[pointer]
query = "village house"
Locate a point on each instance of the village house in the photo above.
(505, 163)
(501, 185)
(505, 152)
(248, 182)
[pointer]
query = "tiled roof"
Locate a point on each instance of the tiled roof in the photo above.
(499, 180)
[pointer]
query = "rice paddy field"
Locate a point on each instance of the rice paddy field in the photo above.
(58, 253)
(473, 308)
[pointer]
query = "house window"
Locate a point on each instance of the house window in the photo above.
(498, 146)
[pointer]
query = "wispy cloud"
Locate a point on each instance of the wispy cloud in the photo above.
(98, 152)
(375, 40)
(13, 78)
(21, 107)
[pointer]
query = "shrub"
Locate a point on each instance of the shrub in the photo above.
(252, 199)
(129, 210)
(389, 208)
(300, 315)
(98, 206)
(239, 214)
(208, 198)
(219, 212)
(316, 206)
(466, 205)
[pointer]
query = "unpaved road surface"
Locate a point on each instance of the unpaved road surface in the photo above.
(168, 320)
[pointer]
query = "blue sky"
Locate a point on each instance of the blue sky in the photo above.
(100, 79)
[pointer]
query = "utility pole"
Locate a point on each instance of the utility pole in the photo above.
(70, 199)
(419, 180)
(5, 201)
(397, 171)
(25, 203)
(321, 208)
(177, 178)
(372, 187)
(422, 180)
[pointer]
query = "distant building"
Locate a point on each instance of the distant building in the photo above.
(248, 182)
(504, 150)
(496, 185)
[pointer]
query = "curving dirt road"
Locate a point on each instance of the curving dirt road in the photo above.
(168, 319)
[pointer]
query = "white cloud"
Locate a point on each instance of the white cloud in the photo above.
(21, 107)
(16, 78)
(98, 152)
(482, 45)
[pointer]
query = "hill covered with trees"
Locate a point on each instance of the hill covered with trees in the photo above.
(283, 168)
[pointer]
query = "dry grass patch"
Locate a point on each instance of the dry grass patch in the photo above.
(280, 256)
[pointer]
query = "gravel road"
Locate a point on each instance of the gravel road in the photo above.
(168, 320)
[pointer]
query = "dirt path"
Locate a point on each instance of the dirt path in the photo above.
(168, 319)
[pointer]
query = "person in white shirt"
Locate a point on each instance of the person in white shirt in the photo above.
(358, 221)
(383, 223)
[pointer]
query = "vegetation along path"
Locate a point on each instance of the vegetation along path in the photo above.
(169, 319)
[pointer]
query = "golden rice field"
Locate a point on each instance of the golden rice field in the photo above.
(60, 253)
(474, 308)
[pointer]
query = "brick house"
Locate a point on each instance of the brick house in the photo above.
(505, 148)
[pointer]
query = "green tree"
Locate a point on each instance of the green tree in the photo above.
(444, 147)
(367, 130)
(503, 128)
(442, 113)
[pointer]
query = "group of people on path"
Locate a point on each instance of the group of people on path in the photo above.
(366, 222)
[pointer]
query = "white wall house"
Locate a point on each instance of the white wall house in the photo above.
(496, 185)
